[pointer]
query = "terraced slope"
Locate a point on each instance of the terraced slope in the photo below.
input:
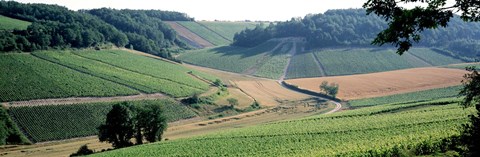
(7, 23)
(57, 122)
(372, 131)
(25, 77)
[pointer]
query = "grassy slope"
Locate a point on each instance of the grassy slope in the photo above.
(303, 65)
(136, 80)
(228, 29)
(205, 33)
(25, 77)
(228, 58)
(56, 122)
(433, 57)
(349, 133)
(7, 23)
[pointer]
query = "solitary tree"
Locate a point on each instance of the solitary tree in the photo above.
(118, 128)
(405, 25)
(330, 90)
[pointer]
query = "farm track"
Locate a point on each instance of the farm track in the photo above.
(186, 33)
(292, 53)
(320, 66)
(78, 100)
(214, 31)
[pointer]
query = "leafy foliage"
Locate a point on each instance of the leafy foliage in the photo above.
(79, 120)
(25, 77)
(119, 126)
(329, 89)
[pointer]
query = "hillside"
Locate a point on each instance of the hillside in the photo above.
(7, 23)
(62, 74)
(286, 57)
(385, 130)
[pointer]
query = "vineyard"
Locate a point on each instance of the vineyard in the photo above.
(34, 78)
(7, 23)
(274, 66)
(384, 130)
(303, 65)
(205, 33)
(434, 57)
(145, 65)
(136, 80)
(228, 58)
(409, 97)
(57, 122)
(227, 29)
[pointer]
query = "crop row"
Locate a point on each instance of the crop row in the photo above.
(274, 67)
(419, 129)
(228, 58)
(25, 77)
(56, 122)
(409, 97)
(144, 83)
(145, 65)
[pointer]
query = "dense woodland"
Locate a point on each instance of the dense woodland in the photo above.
(54, 26)
(352, 27)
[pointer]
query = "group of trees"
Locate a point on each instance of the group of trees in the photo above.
(352, 27)
(126, 121)
(57, 27)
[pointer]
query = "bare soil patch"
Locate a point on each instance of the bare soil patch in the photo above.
(386, 83)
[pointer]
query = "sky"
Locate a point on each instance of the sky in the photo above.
(230, 10)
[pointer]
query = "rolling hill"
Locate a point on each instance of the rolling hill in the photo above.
(7, 23)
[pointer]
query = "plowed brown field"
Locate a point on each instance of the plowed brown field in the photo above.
(386, 83)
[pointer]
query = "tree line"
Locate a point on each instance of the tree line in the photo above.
(352, 27)
(55, 27)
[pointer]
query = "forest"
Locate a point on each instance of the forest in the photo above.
(57, 27)
(354, 28)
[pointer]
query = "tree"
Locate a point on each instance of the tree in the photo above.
(233, 102)
(405, 25)
(471, 91)
(150, 123)
(331, 89)
(118, 127)
(83, 150)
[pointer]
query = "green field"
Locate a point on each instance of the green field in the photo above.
(303, 65)
(409, 97)
(136, 80)
(359, 61)
(57, 122)
(388, 131)
(274, 66)
(228, 29)
(147, 66)
(433, 57)
(7, 23)
(205, 33)
(25, 77)
(228, 58)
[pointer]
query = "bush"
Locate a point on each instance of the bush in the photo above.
(83, 150)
